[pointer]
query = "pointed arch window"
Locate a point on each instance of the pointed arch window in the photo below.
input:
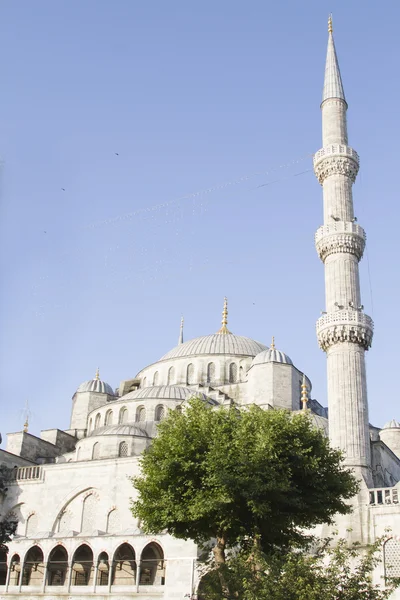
(210, 372)
(123, 416)
(156, 378)
(140, 414)
(190, 374)
(160, 413)
(108, 418)
(144, 381)
(123, 449)
(171, 376)
(97, 421)
(96, 451)
(233, 373)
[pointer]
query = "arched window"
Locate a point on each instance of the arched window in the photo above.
(15, 566)
(171, 376)
(103, 568)
(190, 374)
(97, 421)
(82, 566)
(89, 510)
(140, 414)
(152, 570)
(3, 567)
(108, 419)
(233, 373)
(96, 451)
(144, 381)
(90, 426)
(113, 521)
(33, 567)
(31, 524)
(57, 566)
(123, 416)
(123, 449)
(391, 554)
(155, 378)
(210, 372)
(124, 565)
(160, 413)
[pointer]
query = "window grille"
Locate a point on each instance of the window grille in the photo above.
(160, 413)
(141, 414)
(233, 373)
(391, 551)
(123, 416)
(123, 449)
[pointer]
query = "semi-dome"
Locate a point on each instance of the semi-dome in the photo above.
(393, 424)
(272, 355)
(96, 385)
(165, 392)
(133, 430)
(216, 343)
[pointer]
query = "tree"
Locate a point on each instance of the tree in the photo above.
(333, 572)
(235, 476)
(7, 527)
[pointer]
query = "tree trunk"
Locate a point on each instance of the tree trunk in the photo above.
(219, 555)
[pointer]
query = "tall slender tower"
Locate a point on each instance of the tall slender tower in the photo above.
(344, 332)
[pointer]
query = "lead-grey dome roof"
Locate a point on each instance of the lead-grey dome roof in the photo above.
(166, 392)
(216, 343)
(133, 429)
(96, 385)
(393, 424)
(272, 355)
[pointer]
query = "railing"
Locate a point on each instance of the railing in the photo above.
(336, 149)
(383, 496)
(27, 473)
(345, 317)
(339, 227)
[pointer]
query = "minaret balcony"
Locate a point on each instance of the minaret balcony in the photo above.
(340, 237)
(345, 326)
(336, 159)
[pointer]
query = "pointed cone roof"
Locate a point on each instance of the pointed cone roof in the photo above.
(333, 86)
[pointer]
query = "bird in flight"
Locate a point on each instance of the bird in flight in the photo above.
(116, 153)
(63, 189)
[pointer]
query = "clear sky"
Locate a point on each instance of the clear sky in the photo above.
(121, 122)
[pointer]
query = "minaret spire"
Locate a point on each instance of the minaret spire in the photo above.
(180, 340)
(344, 331)
(333, 86)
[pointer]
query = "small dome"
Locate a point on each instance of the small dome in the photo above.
(166, 392)
(216, 343)
(133, 430)
(96, 385)
(272, 355)
(393, 424)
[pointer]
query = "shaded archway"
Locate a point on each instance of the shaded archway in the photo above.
(124, 566)
(82, 566)
(103, 569)
(152, 566)
(15, 566)
(57, 566)
(33, 567)
(3, 567)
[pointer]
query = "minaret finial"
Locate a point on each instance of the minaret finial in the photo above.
(333, 86)
(304, 393)
(273, 343)
(330, 27)
(224, 328)
(180, 341)
(27, 413)
(26, 425)
(97, 376)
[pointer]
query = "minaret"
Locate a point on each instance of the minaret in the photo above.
(344, 331)
(180, 340)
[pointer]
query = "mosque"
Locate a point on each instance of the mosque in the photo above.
(70, 489)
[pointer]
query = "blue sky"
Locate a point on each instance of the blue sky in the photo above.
(142, 112)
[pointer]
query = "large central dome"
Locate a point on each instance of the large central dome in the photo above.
(217, 343)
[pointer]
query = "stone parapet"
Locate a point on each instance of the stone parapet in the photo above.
(345, 326)
(336, 159)
(340, 237)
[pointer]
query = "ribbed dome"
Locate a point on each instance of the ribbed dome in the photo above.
(272, 355)
(96, 385)
(166, 392)
(391, 424)
(121, 430)
(216, 343)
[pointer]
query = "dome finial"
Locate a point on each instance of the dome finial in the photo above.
(273, 343)
(180, 341)
(330, 27)
(97, 376)
(224, 328)
(304, 393)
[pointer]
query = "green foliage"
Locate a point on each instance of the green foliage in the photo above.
(233, 475)
(7, 527)
(333, 573)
